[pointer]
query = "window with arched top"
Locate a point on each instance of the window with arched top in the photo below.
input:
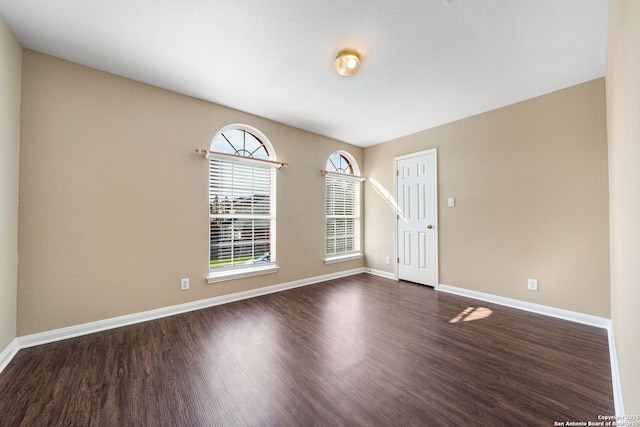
(241, 142)
(241, 203)
(342, 207)
(338, 162)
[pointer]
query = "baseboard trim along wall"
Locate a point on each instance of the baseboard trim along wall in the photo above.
(615, 374)
(102, 325)
(130, 319)
(381, 273)
(8, 354)
(586, 319)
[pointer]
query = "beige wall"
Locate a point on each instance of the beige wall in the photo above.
(114, 207)
(10, 65)
(531, 190)
(623, 120)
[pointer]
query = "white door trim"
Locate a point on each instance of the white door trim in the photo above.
(396, 159)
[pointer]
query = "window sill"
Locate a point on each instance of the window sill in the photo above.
(238, 273)
(341, 258)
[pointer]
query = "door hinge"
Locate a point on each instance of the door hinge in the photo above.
(398, 260)
(398, 172)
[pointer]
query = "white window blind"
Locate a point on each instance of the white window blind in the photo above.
(342, 215)
(240, 213)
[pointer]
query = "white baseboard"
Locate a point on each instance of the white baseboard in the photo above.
(381, 273)
(8, 354)
(573, 316)
(130, 319)
(615, 374)
(586, 319)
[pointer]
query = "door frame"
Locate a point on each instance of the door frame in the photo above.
(396, 159)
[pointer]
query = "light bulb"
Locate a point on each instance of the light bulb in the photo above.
(347, 63)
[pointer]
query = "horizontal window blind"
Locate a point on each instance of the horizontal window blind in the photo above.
(342, 215)
(240, 213)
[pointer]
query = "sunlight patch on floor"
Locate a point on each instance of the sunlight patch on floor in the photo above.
(470, 314)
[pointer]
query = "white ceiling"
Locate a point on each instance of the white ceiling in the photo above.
(425, 62)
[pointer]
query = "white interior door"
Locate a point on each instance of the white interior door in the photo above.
(417, 214)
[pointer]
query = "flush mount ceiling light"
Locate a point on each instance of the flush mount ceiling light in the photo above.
(346, 63)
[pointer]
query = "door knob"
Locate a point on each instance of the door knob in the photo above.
(429, 226)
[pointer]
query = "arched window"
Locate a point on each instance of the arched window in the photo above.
(241, 142)
(342, 207)
(241, 204)
(338, 162)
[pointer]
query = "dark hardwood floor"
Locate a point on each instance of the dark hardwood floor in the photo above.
(361, 350)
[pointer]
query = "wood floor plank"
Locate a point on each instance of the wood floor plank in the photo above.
(361, 350)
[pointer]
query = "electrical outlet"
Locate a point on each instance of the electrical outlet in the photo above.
(532, 284)
(184, 284)
(387, 260)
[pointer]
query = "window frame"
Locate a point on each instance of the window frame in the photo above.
(244, 163)
(350, 178)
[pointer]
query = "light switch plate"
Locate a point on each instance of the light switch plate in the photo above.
(452, 202)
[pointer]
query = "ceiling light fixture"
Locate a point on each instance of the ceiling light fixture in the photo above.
(346, 63)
